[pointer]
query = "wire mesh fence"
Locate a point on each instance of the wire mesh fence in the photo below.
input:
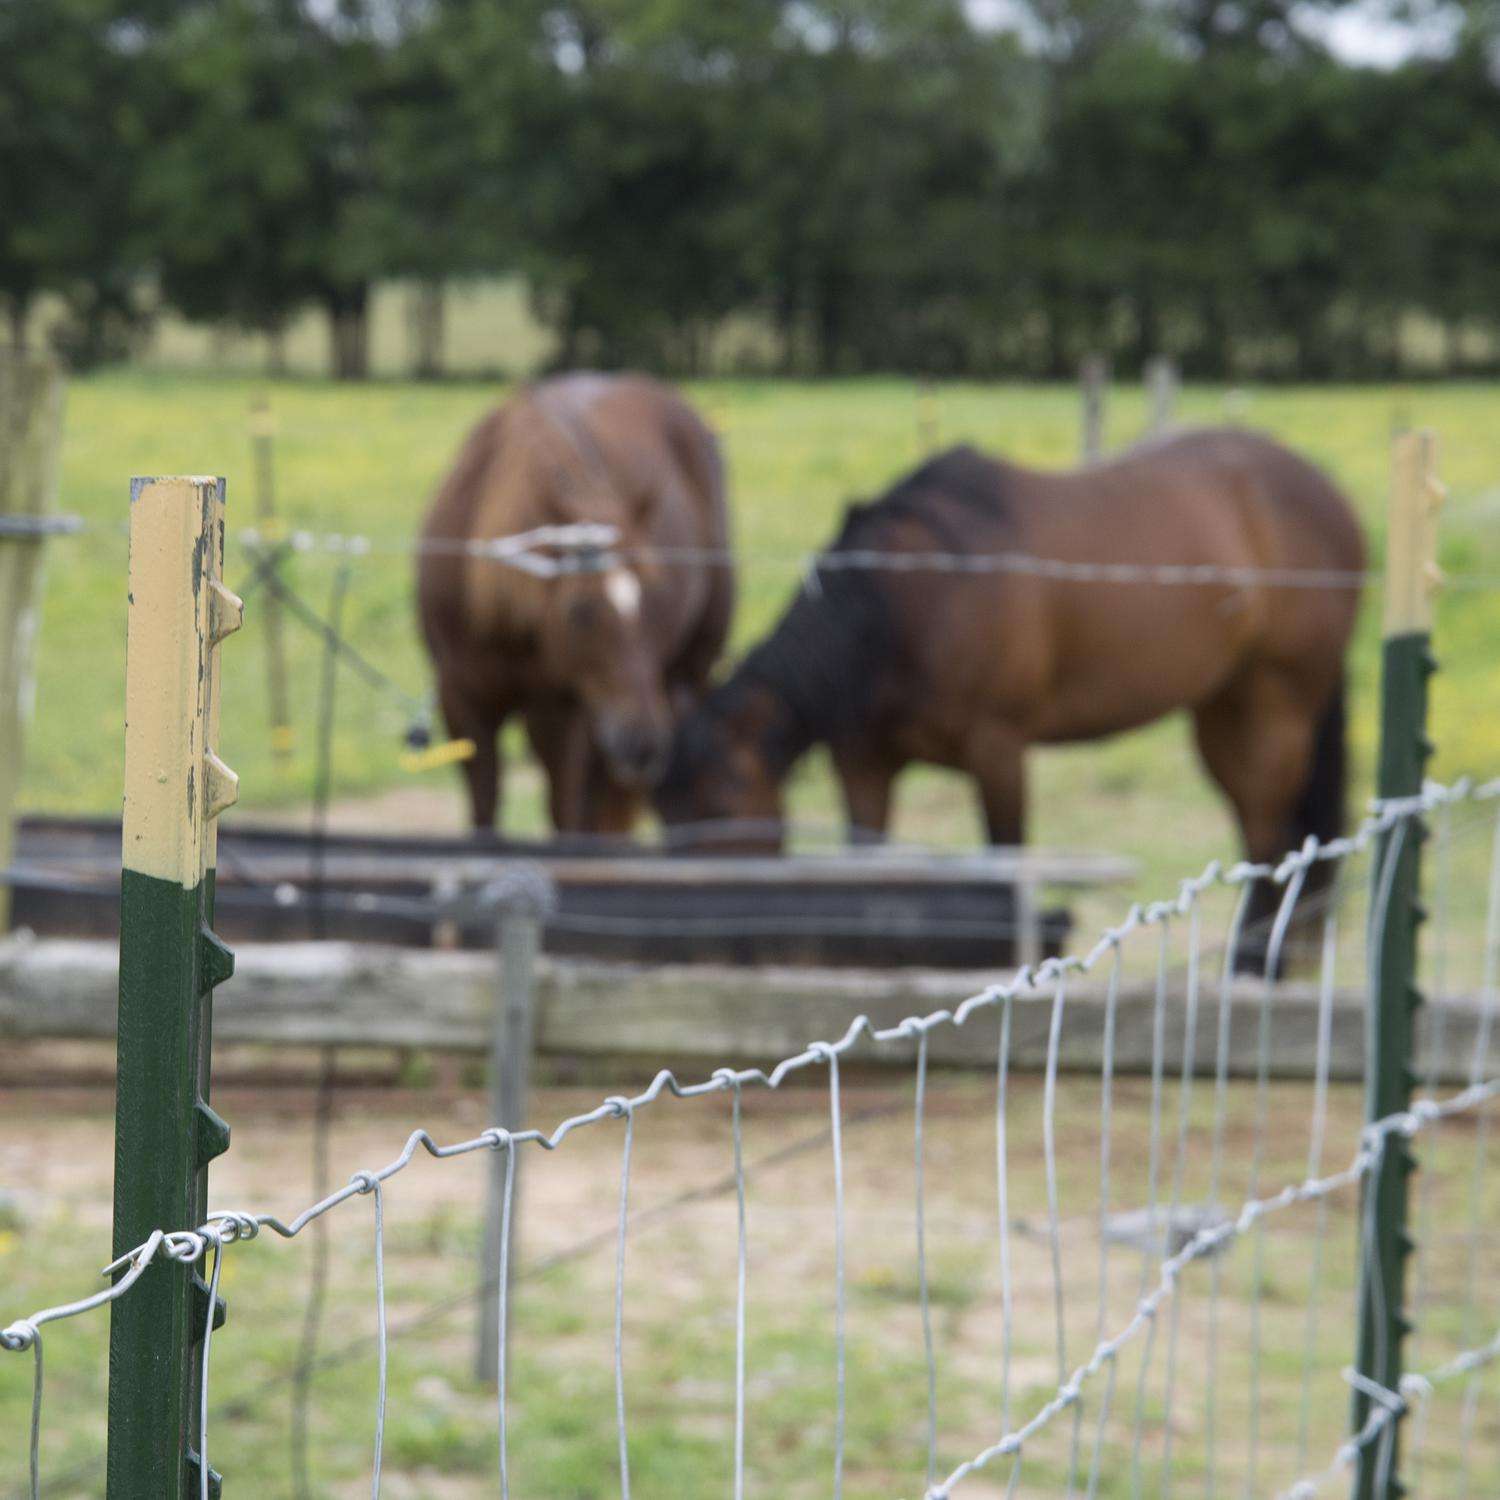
(1082, 1284)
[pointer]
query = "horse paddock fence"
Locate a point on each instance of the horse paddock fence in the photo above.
(1190, 1280)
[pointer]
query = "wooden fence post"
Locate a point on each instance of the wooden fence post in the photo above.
(1407, 663)
(170, 961)
(1093, 378)
(262, 439)
(522, 900)
(30, 428)
(928, 435)
(1161, 387)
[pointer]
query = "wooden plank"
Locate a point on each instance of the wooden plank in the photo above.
(30, 433)
(91, 847)
(335, 994)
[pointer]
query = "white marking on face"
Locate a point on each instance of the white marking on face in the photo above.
(623, 590)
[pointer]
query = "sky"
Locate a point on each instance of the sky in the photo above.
(1361, 33)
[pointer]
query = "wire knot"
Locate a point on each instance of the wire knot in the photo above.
(727, 1076)
(185, 1245)
(365, 1182)
(237, 1224)
(499, 1138)
(619, 1106)
(20, 1336)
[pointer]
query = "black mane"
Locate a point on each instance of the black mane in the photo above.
(824, 661)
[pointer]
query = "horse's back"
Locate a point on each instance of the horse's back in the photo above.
(1094, 622)
(1308, 514)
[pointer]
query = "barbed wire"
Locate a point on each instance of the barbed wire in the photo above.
(574, 548)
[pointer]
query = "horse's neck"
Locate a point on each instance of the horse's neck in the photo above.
(821, 667)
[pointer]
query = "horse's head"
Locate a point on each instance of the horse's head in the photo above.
(595, 638)
(721, 778)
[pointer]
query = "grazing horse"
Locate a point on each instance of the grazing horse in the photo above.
(1032, 642)
(599, 660)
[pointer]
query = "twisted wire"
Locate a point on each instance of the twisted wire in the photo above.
(225, 1227)
(1029, 982)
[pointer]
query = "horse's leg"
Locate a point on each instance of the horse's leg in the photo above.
(995, 756)
(559, 735)
(865, 778)
(607, 806)
(1256, 738)
(470, 716)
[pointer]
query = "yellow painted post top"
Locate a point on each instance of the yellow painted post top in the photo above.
(1412, 576)
(175, 785)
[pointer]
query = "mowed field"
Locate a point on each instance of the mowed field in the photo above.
(366, 459)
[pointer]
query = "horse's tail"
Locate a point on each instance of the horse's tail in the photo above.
(1320, 809)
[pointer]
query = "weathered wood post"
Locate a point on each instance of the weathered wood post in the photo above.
(262, 439)
(927, 418)
(30, 429)
(1093, 380)
(170, 960)
(1410, 580)
(1161, 389)
(522, 899)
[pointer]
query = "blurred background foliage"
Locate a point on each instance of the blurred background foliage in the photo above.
(768, 186)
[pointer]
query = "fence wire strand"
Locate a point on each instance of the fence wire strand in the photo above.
(1388, 824)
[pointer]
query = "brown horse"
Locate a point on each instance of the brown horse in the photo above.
(967, 668)
(600, 661)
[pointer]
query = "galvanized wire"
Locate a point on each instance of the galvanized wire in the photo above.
(1215, 1186)
(1209, 1241)
(501, 1141)
(1106, 1130)
(1388, 1408)
(1489, 986)
(226, 1227)
(1316, 1134)
(371, 1185)
(626, 1112)
(1153, 1170)
(1002, 1187)
(741, 1279)
(1054, 1229)
(1179, 1168)
(1274, 948)
(924, 1297)
(835, 1116)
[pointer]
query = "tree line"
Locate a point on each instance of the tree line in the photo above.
(831, 186)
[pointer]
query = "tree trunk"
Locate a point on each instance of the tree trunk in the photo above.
(20, 317)
(276, 350)
(1453, 346)
(424, 313)
(349, 321)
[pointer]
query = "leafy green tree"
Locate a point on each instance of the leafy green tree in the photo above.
(71, 141)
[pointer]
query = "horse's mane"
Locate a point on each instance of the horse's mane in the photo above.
(824, 662)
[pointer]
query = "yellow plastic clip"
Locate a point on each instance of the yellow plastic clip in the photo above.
(449, 753)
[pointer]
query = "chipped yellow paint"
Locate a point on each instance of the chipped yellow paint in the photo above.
(174, 784)
(1412, 576)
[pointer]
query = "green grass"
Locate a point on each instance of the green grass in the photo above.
(366, 459)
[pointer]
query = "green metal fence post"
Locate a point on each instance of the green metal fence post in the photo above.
(170, 961)
(1407, 663)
